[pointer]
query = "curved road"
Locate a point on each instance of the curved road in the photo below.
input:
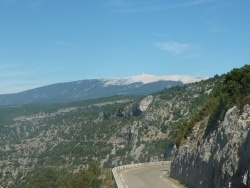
(146, 177)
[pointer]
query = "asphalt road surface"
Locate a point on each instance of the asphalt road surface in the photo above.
(146, 177)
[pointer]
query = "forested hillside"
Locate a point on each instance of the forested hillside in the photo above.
(64, 139)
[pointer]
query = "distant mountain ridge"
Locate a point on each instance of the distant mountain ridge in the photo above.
(95, 88)
(147, 78)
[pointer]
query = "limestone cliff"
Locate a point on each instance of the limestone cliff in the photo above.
(218, 159)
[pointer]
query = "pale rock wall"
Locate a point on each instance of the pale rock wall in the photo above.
(145, 103)
(219, 159)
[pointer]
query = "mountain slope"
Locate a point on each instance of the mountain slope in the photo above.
(116, 130)
(203, 126)
(215, 149)
(95, 88)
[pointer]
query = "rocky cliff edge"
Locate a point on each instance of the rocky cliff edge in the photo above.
(219, 159)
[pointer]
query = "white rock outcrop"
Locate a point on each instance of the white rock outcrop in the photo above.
(145, 103)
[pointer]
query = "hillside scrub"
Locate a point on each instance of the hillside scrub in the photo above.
(233, 89)
(92, 176)
(113, 131)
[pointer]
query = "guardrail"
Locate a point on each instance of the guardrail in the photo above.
(119, 168)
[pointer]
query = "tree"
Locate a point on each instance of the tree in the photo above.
(236, 85)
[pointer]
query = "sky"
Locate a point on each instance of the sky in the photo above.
(51, 41)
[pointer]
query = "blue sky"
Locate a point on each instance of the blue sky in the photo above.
(50, 41)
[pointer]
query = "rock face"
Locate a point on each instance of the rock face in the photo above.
(218, 159)
(145, 103)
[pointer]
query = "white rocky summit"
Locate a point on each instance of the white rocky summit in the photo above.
(147, 78)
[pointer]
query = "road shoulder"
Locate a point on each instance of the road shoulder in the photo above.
(174, 182)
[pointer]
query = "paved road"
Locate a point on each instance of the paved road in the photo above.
(146, 177)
